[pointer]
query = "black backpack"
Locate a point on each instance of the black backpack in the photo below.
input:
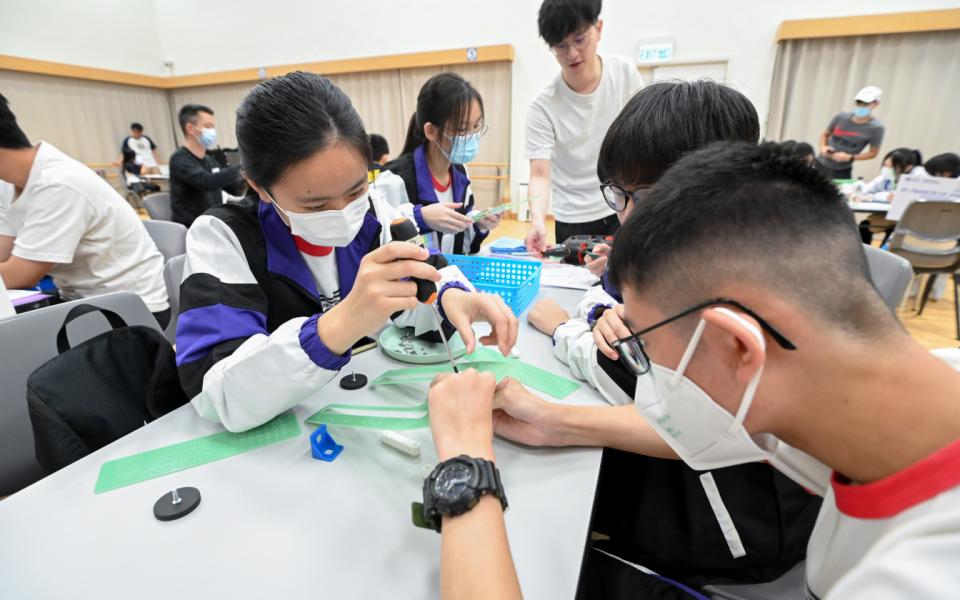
(100, 390)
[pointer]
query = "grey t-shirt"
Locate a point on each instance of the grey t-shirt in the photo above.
(850, 137)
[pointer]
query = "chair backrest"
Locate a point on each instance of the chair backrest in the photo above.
(172, 275)
(158, 206)
(934, 221)
(170, 237)
(891, 274)
(123, 181)
(927, 236)
(27, 341)
(789, 586)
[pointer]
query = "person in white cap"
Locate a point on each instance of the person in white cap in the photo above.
(849, 133)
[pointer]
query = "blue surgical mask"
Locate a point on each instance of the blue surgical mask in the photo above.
(208, 137)
(463, 148)
(861, 111)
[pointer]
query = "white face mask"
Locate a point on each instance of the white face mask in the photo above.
(704, 434)
(335, 228)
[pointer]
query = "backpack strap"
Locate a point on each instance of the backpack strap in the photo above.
(160, 404)
(115, 320)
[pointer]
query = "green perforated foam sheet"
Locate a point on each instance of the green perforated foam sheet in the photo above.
(177, 457)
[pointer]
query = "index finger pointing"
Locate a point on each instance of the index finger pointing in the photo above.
(397, 250)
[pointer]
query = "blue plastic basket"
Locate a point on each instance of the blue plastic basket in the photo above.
(516, 281)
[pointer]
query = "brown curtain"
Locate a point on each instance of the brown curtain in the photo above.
(385, 101)
(816, 78)
(87, 119)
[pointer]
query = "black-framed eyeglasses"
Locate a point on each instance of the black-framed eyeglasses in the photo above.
(616, 196)
(634, 356)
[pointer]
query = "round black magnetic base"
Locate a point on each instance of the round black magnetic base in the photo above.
(178, 503)
(353, 381)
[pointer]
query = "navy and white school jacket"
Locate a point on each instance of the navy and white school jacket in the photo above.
(407, 184)
(251, 294)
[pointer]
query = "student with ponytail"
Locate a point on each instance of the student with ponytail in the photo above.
(429, 181)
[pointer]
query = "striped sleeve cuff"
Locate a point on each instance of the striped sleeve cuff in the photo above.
(594, 315)
(450, 285)
(418, 217)
(317, 350)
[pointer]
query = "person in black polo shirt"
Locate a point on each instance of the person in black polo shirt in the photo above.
(196, 180)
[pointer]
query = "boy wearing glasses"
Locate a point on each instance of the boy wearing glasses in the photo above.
(652, 132)
(646, 504)
(567, 120)
(741, 355)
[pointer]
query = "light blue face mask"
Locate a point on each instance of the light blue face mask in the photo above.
(208, 137)
(861, 112)
(463, 148)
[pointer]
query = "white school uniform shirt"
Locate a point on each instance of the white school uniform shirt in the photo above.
(894, 538)
(574, 346)
(69, 216)
(394, 191)
(567, 128)
(876, 184)
(898, 537)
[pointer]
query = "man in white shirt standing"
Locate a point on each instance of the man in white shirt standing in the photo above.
(567, 121)
(59, 217)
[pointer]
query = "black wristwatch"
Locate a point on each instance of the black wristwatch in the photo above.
(454, 487)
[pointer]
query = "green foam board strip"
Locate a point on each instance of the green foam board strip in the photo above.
(529, 375)
(193, 453)
(345, 415)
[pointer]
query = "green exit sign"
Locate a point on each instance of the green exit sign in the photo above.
(655, 53)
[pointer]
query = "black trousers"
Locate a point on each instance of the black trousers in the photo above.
(845, 173)
(163, 318)
(605, 226)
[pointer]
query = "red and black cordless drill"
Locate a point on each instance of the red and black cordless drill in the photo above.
(576, 248)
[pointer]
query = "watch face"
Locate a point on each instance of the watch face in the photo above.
(452, 481)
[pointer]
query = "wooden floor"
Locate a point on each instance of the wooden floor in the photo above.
(933, 329)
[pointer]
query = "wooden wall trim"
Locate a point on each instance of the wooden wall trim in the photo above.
(907, 22)
(44, 67)
(502, 52)
(432, 58)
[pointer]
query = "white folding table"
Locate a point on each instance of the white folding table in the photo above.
(276, 523)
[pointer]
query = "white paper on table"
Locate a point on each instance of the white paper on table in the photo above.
(562, 275)
(15, 295)
(911, 188)
(6, 304)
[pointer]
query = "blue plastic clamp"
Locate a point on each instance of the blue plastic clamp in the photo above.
(323, 445)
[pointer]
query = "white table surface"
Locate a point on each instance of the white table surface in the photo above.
(873, 207)
(275, 523)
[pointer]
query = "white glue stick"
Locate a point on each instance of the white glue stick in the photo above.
(401, 443)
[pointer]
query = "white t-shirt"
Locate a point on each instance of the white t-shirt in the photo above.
(567, 128)
(69, 216)
(144, 148)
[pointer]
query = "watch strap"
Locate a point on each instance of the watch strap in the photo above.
(428, 514)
